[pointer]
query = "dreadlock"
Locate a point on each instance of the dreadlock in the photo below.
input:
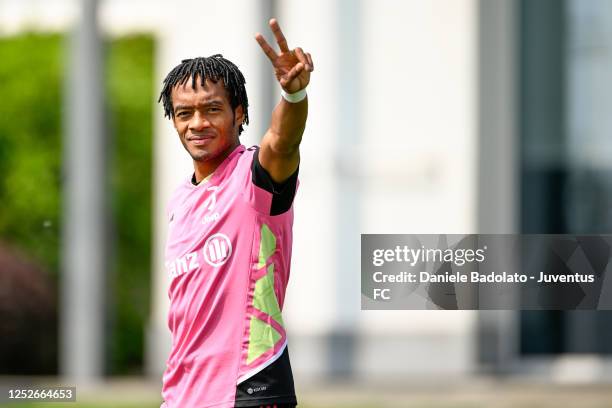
(214, 68)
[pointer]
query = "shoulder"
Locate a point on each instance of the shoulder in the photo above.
(282, 193)
(239, 163)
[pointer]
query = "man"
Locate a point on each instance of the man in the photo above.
(230, 234)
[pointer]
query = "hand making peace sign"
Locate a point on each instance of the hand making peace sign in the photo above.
(291, 67)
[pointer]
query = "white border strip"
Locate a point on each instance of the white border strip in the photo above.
(254, 371)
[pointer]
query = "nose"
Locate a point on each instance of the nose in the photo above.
(198, 122)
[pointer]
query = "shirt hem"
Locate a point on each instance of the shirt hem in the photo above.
(279, 399)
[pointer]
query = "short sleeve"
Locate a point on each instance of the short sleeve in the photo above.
(282, 193)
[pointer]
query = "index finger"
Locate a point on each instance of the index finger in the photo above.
(266, 47)
(280, 37)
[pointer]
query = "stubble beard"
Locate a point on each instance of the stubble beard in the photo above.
(201, 155)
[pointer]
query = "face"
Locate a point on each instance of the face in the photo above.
(205, 121)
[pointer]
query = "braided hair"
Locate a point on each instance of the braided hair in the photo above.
(213, 68)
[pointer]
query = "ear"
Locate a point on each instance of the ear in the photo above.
(238, 116)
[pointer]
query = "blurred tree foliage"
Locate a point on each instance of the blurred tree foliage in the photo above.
(129, 78)
(32, 79)
(31, 74)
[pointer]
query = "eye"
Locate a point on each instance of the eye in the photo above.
(182, 114)
(214, 109)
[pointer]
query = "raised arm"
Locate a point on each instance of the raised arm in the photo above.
(279, 152)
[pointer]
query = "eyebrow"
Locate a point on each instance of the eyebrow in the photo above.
(207, 103)
(179, 107)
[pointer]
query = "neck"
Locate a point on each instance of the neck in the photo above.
(205, 168)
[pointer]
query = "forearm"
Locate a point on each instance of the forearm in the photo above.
(279, 152)
(287, 126)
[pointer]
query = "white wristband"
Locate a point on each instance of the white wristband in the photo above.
(294, 97)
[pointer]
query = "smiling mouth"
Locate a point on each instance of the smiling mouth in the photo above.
(200, 140)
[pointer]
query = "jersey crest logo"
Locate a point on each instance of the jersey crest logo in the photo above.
(211, 200)
(209, 204)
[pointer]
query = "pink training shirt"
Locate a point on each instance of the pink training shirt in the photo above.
(228, 259)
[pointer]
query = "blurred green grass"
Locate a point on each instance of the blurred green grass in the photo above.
(150, 405)
(153, 404)
(475, 393)
(417, 403)
(79, 405)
